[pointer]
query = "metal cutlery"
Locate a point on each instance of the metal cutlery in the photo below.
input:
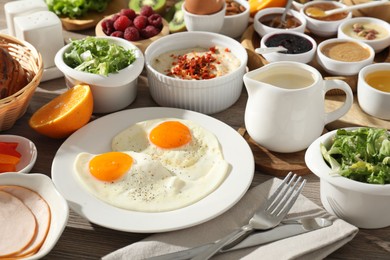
(282, 231)
(266, 217)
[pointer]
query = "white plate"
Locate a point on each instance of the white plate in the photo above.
(44, 186)
(26, 148)
(96, 138)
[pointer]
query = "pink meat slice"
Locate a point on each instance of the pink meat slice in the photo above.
(39, 208)
(17, 225)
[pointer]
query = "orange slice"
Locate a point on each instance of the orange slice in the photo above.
(64, 114)
(257, 5)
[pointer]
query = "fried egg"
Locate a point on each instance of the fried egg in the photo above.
(135, 181)
(182, 146)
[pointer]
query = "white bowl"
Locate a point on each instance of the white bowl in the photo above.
(344, 68)
(26, 148)
(361, 204)
(205, 96)
(112, 92)
(262, 29)
(206, 22)
(345, 32)
(44, 186)
(235, 25)
(371, 100)
(304, 57)
(323, 28)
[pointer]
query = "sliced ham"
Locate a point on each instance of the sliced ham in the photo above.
(40, 210)
(17, 225)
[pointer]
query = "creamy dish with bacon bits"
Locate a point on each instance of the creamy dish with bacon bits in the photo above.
(197, 63)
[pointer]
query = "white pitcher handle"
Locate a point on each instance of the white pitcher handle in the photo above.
(341, 111)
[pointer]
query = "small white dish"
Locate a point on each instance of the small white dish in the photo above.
(207, 96)
(323, 28)
(110, 93)
(304, 57)
(361, 204)
(206, 22)
(263, 29)
(235, 25)
(43, 185)
(371, 100)
(26, 148)
(345, 68)
(345, 31)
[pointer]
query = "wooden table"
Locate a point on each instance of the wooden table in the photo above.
(84, 240)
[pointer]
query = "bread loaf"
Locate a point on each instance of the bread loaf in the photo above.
(12, 75)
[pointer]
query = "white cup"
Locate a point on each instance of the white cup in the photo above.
(206, 22)
(285, 111)
(371, 100)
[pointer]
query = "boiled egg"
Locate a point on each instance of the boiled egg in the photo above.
(203, 7)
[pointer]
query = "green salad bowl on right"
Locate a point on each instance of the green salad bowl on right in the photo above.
(355, 176)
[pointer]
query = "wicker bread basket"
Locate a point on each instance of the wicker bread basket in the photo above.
(13, 107)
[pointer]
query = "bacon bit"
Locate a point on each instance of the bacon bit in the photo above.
(197, 67)
(227, 50)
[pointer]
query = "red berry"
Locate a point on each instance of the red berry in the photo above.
(117, 34)
(140, 22)
(155, 20)
(131, 34)
(108, 26)
(114, 17)
(130, 13)
(146, 10)
(122, 23)
(149, 31)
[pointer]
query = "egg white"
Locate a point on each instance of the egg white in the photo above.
(201, 158)
(147, 187)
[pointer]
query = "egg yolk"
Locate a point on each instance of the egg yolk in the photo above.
(110, 166)
(170, 134)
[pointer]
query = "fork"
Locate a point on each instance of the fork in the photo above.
(266, 217)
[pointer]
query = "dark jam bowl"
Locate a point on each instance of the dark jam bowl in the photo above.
(300, 47)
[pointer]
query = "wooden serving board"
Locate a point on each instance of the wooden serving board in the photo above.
(92, 18)
(273, 163)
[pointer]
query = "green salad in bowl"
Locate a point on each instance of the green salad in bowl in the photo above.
(353, 165)
(362, 154)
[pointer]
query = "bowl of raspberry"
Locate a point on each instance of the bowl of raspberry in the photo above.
(140, 28)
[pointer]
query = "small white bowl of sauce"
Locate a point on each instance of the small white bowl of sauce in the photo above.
(373, 31)
(344, 56)
(269, 20)
(325, 26)
(373, 90)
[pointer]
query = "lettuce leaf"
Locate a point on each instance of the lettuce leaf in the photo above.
(76, 8)
(362, 154)
(98, 56)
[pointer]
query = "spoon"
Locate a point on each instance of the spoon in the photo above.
(317, 12)
(269, 49)
(283, 21)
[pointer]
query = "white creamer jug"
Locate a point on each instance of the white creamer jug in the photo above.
(285, 111)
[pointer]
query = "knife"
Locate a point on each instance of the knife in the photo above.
(287, 229)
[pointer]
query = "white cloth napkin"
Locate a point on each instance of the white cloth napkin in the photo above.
(312, 245)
